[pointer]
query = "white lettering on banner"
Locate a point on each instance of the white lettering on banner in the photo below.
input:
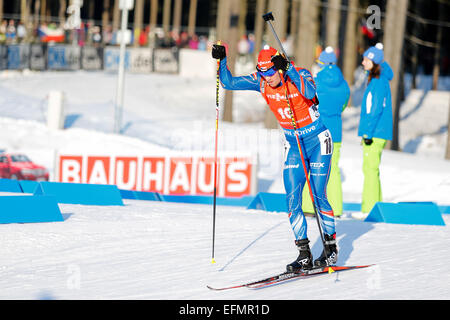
(98, 173)
(156, 176)
(71, 170)
(121, 175)
(172, 174)
(180, 178)
(202, 185)
(235, 175)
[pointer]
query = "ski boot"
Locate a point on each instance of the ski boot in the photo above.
(330, 255)
(304, 260)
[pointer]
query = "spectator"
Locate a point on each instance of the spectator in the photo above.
(243, 49)
(96, 35)
(11, 32)
(202, 43)
(143, 36)
(251, 43)
(193, 42)
(21, 32)
(107, 34)
(243, 46)
(375, 125)
(184, 40)
(3, 27)
(333, 93)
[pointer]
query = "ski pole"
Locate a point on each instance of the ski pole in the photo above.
(268, 17)
(215, 157)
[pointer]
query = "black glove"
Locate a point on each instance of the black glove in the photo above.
(280, 62)
(367, 142)
(218, 51)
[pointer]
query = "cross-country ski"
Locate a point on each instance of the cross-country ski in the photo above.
(289, 276)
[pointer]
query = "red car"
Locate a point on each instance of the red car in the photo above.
(20, 167)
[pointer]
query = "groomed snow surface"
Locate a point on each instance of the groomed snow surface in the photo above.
(158, 250)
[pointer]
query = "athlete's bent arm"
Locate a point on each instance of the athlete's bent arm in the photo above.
(250, 82)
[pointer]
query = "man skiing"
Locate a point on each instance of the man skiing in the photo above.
(298, 86)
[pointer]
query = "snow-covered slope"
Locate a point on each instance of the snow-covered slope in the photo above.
(157, 250)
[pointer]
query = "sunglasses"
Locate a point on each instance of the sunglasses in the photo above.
(266, 73)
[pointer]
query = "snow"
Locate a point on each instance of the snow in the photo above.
(158, 250)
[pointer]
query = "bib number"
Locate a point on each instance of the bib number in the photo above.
(326, 143)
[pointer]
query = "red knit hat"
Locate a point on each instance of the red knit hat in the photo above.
(264, 58)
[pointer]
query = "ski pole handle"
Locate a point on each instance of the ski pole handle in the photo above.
(268, 17)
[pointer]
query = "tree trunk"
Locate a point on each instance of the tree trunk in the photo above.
(279, 11)
(242, 17)
(437, 49)
(350, 45)
(192, 23)
(294, 22)
(166, 17)
(153, 14)
(25, 11)
(232, 41)
(43, 10)
(105, 16)
(138, 20)
(116, 16)
(447, 153)
(178, 4)
(332, 25)
(307, 33)
(259, 26)
(62, 11)
(393, 49)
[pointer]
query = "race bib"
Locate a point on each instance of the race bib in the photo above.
(326, 143)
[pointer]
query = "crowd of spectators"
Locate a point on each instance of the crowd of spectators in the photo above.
(15, 32)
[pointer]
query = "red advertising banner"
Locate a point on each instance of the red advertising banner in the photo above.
(175, 174)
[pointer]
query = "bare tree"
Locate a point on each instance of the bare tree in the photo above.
(153, 14)
(62, 11)
(350, 44)
(259, 25)
(178, 4)
(308, 33)
(105, 14)
(166, 16)
(232, 41)
(138, 20)
(332, 24)
(192, 17)
(447, 153)
(437, 48)
(393, 48)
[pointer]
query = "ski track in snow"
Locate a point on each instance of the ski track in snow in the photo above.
(155, 250)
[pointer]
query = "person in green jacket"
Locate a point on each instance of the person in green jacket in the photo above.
(333, 93)
(375, 125)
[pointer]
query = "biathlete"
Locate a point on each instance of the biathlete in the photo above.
(298, 86)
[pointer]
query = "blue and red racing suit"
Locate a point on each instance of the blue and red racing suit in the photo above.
(315, 139)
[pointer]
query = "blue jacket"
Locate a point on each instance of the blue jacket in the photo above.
(253, 81)
(376, 108)
(333, 93)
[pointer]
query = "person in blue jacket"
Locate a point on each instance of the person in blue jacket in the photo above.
(333, 93)
(375, 125)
